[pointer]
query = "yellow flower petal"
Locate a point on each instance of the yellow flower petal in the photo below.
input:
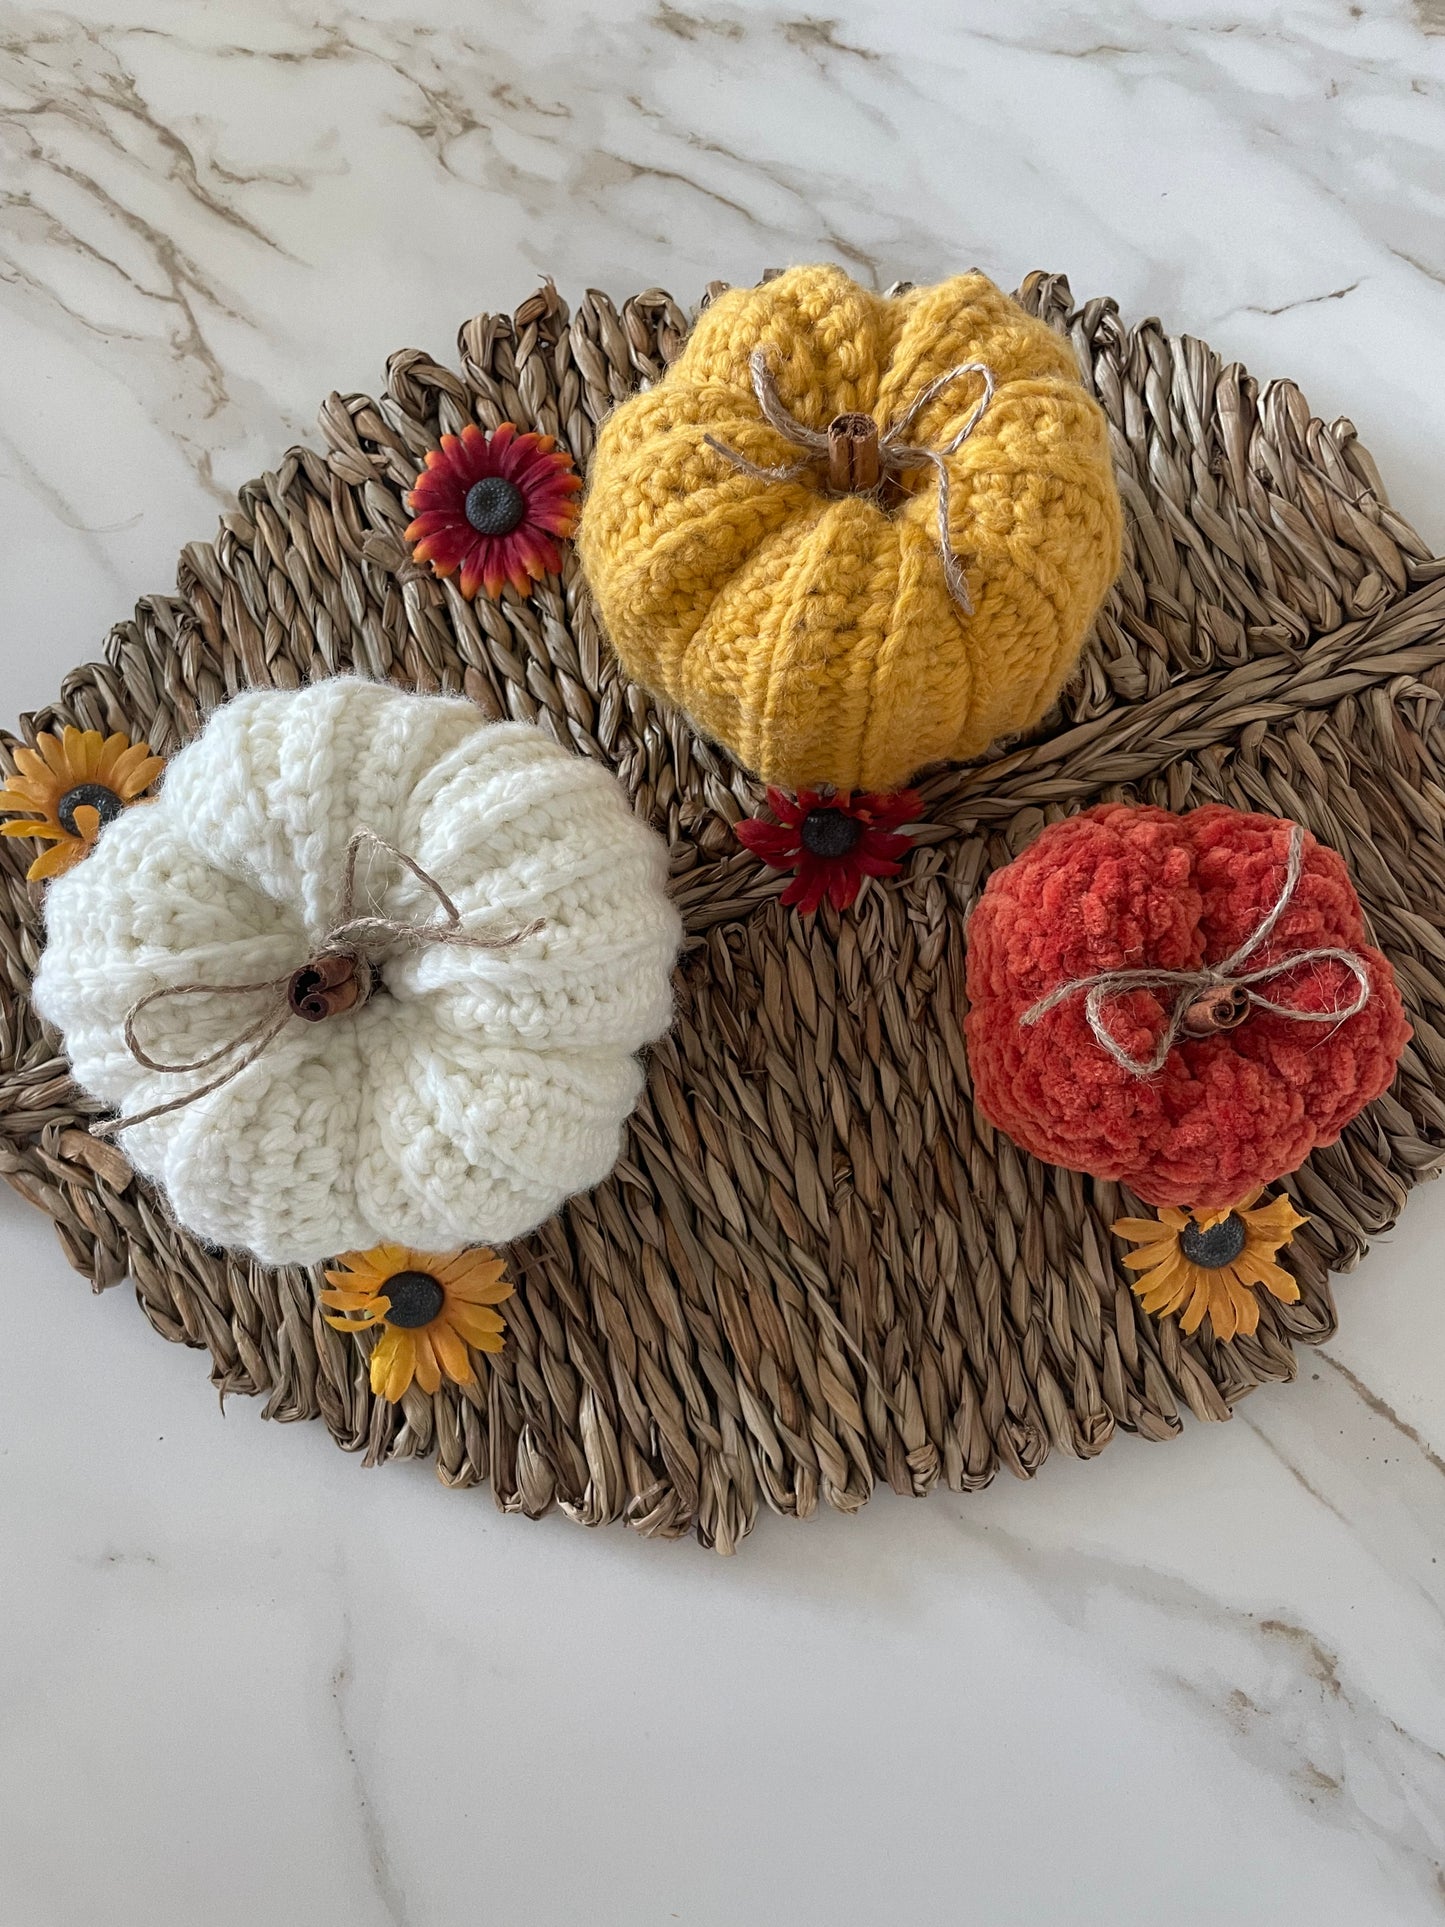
(1149, 1255)
(42, 832)
(1246, 1305)
(392, 1364)
(135, 771)
(475, 1321)
(103, 761)
(1278, 1282)
(1165, 1290)
(359, 1322)
(428, 1372)
(452, 1354)
(58, 858)
(1192, 1316)
(38, 793)
(1275, 1222)
(87, 823)
(33, 766)
(56, 759)
(473, 1262)
(1223, 1312)
(1206, 1220)
(1135, 1229)
(1165, 1299)
(109, 756)
(344, 1300)
(483, 1291)
(362, 1270)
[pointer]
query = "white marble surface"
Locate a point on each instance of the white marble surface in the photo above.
(243, 1680)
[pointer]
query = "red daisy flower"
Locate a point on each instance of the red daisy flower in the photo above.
(490, 506)
(832, 841)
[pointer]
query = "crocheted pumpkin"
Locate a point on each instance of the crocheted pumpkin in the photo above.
(468, 1076)
(818, 626)
(1245, 1092)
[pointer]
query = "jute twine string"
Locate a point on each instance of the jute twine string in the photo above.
(895, 452)
(351, 940)
(1192, 987)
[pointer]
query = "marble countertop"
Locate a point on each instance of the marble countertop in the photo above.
(241, 1678)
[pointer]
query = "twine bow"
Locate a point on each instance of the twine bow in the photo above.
(894, 451)
(1219, 996)
(339, 976)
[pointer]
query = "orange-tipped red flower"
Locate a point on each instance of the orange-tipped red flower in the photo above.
(492, 507)
(831, 841)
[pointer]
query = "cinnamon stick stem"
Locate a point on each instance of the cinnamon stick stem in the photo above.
(854, 465)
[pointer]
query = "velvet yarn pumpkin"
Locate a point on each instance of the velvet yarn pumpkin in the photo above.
(1124, 887)
(814, 633)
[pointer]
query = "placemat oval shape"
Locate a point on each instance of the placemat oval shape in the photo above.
(815, 1266)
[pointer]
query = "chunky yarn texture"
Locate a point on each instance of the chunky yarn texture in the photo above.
(1121, 887)
(815, 635)
(476, 1089)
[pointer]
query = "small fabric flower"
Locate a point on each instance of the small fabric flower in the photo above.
(1207, 1261)
(436, 1308)
(70, 786)
(831, 841)
(491, 507)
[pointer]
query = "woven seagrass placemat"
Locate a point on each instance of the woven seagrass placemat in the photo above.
(815, 1266)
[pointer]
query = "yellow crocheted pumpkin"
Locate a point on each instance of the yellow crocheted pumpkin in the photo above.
(792, 588)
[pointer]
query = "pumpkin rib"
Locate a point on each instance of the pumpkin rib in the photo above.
(980, 323)
(683, 536)
(694, 676)
(910, 695)
(803, 623)
(1049, 587)
(797, 314)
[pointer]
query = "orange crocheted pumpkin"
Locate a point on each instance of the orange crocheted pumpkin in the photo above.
(1239, 1099)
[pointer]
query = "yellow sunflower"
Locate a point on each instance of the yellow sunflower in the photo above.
(437, 1308)
(1207, 1261)
(70, 786)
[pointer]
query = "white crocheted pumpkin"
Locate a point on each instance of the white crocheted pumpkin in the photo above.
(474, 1089)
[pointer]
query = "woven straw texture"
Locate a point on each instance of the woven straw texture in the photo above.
(815, 1266)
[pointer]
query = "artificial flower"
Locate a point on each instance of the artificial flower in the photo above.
(1208, 1261)
(832, 842)
(491, 507)
(436, 1309)
(69, 787)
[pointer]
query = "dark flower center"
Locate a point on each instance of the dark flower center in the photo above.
(1220, 1245)
(106, 804)
(416, 1298)
(495, 506)
(830, 833)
